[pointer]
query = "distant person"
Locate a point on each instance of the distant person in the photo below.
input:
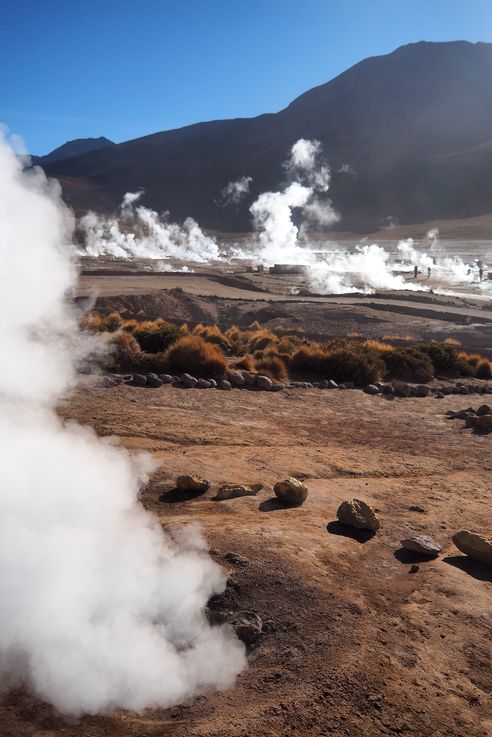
(415, 271)
(429, 272)
(434, 261)
(480, 272)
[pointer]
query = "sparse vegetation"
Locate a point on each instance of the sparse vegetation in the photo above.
(192, 354)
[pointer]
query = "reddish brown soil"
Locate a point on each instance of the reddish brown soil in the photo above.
(355, 644)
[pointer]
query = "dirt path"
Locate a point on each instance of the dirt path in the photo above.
(355, 644)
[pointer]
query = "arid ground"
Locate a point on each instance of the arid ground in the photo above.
(354, 643)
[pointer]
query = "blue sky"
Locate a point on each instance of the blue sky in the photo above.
(124, 69)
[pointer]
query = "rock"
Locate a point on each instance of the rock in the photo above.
(483, 425)
(224, 384)
(371, 389)
(236, 559)
(203, 384)
(248, 626)
(462, 414)
(346, 385)
(291, 491)
(192, 483)
(107, 382)
(474, 545)
(421, 390)
(188, 381)
(233, 491)
(416, 508)
(213, 383)
(388, 389)
(332, 384)
(166, 378)
(401, 389)
(439, 395)
(263, 383)
(414, 568)
(324, 384)
(484, 409)
(357, 513)
(277, 387)
(236, 378)
(470, 420)
(139, 380)
(422, 544)
(249, 378)
(154, 381)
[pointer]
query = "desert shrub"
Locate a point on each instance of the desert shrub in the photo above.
(261, 339)
(289, 344)
(473, 359)
(192, 354)
(484, 369)
(346, 365)
(155, 337)
(274, 367)
(408, 365)
(307, 360)
(212, 334)
(112, 322)
(92, 322)
(130, 325)
(246, 363)
(444, 356)
(126, 353)
(464, 368)
(452, 341)
(377, 345)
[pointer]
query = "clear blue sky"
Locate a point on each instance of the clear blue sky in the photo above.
(77, 68)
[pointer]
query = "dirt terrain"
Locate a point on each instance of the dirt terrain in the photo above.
(353, 643)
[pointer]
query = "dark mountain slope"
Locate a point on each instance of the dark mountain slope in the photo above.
(75, 148)
(414, 126)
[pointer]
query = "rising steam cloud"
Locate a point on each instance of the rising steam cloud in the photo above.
(98, 607)
(234, 192)
(140, 232)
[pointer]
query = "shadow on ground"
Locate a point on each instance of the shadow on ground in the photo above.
(361, 536)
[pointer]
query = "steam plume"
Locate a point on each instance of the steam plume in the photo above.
(98, 607)
(234, 192)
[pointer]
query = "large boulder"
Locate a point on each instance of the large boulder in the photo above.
(233, 491)
(422, 544)
(357, 513)
(483, 425)
(188, 381)
(192, 483)
(474, 545)
(263, 382)
(291, 491)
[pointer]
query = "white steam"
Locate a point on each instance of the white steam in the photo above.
(98, 607)
(234, 192)
(141, 233)
(272, 212)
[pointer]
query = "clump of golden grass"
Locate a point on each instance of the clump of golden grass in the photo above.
(192, 354)
(213, 334)
(484, 369)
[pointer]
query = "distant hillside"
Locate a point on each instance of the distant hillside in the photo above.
(75, 148)
(408, 136)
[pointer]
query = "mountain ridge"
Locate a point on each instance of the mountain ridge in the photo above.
(407, 125)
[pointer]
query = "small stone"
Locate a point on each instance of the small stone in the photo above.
(154, 381)
(236, 559)
(166, 378)
(139, 380)
(263, 383)
(422, 544)
(278, 387)
(192, 483)
(471, 420)
(249, 378)
(421, 390)
(371, 389)
(213, 383)
(236, 378)
(188, 381)
(416, 508)
(357, 513)
(224, 384)
(107, 382)
(332, 384)
(291, 491)
(474, 545)
(233, 491)
(414, 568)
(203, 384)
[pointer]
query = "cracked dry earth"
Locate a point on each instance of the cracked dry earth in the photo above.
(356, 644)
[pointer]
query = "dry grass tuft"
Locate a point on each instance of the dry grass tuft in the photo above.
(192, 354)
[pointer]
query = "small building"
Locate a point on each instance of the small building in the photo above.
(287, 269)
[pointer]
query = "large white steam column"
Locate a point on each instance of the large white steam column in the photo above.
(98, 607)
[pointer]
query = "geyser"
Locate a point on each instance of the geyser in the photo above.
(99, 608)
